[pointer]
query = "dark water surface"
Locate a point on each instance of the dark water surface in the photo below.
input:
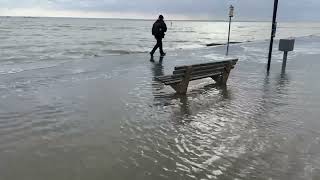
(106, 118)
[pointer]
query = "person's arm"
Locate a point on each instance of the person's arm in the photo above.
(164, 27)
(153, 29)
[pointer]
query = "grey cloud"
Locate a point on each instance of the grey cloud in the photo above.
(245, 9)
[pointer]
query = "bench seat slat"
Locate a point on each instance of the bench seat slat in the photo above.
(213, 65)
(169, 77)
(232, 61)
(221, 63)
(174, 81)
(206, 71)
(197, 77)
(205, 76)
(163, 77)
(197, 69)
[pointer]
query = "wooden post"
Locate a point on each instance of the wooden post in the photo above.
(284, 62)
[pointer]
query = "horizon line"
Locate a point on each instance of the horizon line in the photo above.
(150, 19)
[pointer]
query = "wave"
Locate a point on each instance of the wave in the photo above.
(101, 53)
(180, 41)
(122, 52)
(22, 67)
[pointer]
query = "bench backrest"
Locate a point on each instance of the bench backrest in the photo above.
(204, 68)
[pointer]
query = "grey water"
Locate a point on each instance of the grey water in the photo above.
(79, 101)
(30, 43)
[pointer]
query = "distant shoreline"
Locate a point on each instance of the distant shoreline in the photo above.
(132, 19)
(179, 20)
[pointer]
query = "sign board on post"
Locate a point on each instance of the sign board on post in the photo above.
(286, 45)
(231, 14)
(231, 11)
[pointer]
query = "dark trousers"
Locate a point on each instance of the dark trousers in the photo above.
(158, 45)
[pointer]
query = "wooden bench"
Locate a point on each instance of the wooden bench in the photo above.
(182, 75)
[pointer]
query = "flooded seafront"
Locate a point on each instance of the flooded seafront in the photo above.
(107, 118)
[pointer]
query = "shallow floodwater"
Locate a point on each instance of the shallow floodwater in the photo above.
(107, 118)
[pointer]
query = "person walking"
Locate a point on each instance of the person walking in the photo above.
(158, 31)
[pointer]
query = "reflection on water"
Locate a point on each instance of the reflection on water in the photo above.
(157, 68)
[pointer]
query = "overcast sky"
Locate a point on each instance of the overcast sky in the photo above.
(289, 10)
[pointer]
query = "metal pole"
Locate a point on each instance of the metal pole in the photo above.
(228, 36)
(273, 32)
(284, 62)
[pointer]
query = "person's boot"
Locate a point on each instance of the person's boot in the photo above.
(163, 54)
(151, 54)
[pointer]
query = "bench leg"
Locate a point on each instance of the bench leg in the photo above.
(217, 79)
(222, 79)
(225, 76)
(182, 87)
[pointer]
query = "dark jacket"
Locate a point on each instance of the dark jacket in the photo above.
(159, 28)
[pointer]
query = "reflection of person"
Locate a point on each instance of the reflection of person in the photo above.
(157, 70)
(158, 30)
